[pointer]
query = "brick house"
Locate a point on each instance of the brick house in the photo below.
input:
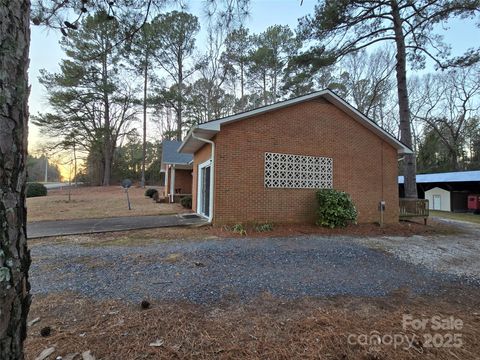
(264, 165)
(177, 169)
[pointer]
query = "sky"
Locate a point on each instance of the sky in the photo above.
(45, 52)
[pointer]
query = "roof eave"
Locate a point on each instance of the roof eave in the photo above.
(215, 124)
(402, 149)
(209, 129)
(190, 145)
(189, 134)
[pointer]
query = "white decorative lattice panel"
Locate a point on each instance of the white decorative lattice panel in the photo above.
(298, 171)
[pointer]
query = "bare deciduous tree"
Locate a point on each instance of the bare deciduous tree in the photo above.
(343, 27)
(446, 103)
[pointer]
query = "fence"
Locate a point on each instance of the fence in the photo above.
(410, 208)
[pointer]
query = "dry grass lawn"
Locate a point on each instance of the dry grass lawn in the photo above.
(267, 328)
(95, 202)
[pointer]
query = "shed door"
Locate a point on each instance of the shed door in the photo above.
(437, 202)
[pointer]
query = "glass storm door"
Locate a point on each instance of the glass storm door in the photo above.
(205, 190)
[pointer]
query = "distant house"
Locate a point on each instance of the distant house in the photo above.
(447, 191)
(265, 165)
(178, 170)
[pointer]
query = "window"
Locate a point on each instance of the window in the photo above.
(298, 171)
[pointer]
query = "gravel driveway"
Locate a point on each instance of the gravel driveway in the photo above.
(451, 254)
(215, 270)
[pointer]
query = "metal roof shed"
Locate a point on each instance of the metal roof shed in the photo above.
(446, 177)
(458, 183)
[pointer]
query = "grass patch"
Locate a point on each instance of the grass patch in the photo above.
(469, 217)
(95, 202)
(173, 258)
(266, 227)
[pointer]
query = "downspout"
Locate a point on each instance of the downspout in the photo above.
(212, 174)
(172, 183)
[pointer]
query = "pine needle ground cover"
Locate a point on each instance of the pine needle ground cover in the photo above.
(266, 328)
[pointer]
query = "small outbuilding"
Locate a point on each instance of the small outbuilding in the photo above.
(265, 165)
(447, 200)
(447, 191)
(177, 168)
(438, 199)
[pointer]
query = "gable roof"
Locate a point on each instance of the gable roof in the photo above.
(207, 130)
(454, 176)
(170, 154)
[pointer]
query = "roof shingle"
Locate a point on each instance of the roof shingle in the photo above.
(170, 155)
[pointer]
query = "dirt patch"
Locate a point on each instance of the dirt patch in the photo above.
(266, 328)
(151, 236)
(403, 228)
(130, 238)
(95, 202)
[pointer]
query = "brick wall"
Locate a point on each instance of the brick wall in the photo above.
(183, 181)
(363, 165)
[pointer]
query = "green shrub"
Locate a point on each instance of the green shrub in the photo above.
(335, 208)
(239, 229)
(263, 227)
(151, 192)
(186, 201)
(36, 189)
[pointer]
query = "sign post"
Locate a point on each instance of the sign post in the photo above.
(126, 183)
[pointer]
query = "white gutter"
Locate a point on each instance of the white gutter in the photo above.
(212, 171)
(172, 183)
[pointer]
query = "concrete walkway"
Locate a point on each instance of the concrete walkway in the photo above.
(88, 226)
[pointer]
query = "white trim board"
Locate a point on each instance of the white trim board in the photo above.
(199, 192)
(209, 129)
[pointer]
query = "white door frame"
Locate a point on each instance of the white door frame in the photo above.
(199, 189)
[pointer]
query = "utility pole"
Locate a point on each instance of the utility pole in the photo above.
(46, 168)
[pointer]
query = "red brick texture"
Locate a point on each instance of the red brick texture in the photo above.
(183, 181)
(364, 165)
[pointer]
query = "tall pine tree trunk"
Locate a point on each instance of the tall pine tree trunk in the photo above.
(107, 136)
(75, 163)
(144, 144)
(107, 171)
(14, 255)
(264, 76)
(242, 86)
(409, 162)
(179, 99)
